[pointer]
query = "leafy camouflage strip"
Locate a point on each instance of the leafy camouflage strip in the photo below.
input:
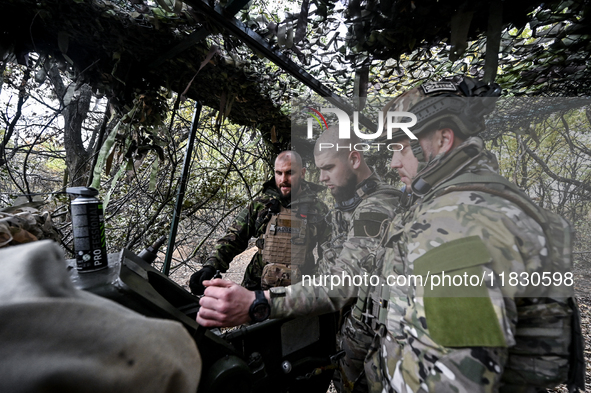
(414, 361)
(252, 222)
(26, 225)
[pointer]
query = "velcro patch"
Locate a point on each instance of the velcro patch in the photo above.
(463, 322)
(286, 230)
(431, 87)
(368, 224)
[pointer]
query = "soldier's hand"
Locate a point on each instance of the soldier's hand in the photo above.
(224, 304)
(197, 278)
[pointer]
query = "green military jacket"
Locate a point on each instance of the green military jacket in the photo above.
(357, 233)
(252, 222)
(457, 338)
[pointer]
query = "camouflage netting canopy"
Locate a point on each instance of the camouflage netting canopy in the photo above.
(122, 49)
(355, 48)
(519, 114)
(541, 48)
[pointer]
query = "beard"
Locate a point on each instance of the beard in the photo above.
(347, 190)
(286, 197)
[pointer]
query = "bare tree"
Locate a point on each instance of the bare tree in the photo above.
(74, 102)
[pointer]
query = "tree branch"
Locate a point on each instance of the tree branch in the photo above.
(22, 97)
(553, 175)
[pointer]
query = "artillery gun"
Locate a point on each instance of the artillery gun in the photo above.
(288, 355)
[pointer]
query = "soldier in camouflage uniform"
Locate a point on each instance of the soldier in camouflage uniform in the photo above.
(287, 191)
(361, 213)
(364, 207)
(463, 338)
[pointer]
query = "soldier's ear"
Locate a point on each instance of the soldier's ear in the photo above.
(355, 159)
(446, 139)
(303, 172)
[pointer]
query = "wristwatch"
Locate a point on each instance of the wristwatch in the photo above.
(260, 308)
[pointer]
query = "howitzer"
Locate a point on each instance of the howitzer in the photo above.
(295, 355)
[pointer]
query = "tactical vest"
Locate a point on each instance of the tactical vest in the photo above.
(373, 306)
(549, 344)
(286, 242)
(342, 216)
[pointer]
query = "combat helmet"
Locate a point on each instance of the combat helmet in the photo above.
(458, 102)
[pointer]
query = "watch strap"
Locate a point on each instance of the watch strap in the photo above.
(260, 300)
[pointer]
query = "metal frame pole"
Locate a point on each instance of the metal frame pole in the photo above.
(182, 187)
(257, 43)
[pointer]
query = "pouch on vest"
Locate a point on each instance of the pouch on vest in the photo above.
(279, 275)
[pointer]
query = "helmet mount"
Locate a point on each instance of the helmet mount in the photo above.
(459, 103)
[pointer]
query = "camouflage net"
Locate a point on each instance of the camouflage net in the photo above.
(25, 225)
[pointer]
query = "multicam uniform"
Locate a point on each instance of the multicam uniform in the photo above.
(431, 341)
(253, 220)
(358, 227)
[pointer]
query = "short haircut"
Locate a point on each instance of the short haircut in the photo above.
(291, 155)
(332, 136)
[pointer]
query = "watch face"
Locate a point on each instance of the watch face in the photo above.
(260, 308)
(261, 311)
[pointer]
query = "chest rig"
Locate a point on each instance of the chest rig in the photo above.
(340, 221)
(286, 242)
(285, 238)
(385, 303)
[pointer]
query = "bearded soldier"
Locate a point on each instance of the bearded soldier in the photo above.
(467, 221)
(364, 207)
(288, 219)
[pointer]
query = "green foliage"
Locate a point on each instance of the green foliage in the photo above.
(551, 160)
(138, 168)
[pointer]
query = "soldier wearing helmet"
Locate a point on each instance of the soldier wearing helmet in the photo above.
(464, 220)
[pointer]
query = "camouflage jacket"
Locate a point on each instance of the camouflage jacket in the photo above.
(252, 222)
(357, 233)
(456, 338)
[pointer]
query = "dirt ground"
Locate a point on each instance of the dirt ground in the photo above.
(582, 274)
(235, 273)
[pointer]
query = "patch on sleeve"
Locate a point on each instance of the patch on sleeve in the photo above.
(454, 255)
(368, 224)
(463, 322)
(458, 310)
